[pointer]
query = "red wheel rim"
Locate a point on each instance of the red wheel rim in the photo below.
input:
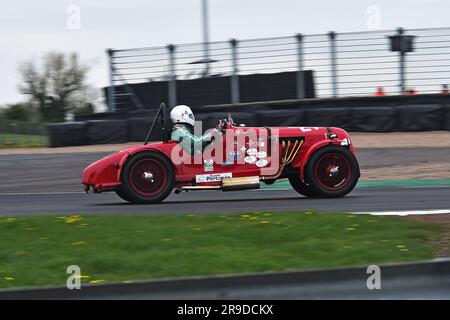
(148, 177)
(333, 171)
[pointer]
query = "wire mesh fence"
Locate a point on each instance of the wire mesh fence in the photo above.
(343, 64)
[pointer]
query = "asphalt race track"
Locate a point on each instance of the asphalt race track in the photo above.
(360, 200)
(62, 172)
(42, 184)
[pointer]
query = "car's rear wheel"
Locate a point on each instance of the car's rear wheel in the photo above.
(301, 187)
(332, 172)
(147, 177)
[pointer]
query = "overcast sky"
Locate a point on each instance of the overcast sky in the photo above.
(30, 28)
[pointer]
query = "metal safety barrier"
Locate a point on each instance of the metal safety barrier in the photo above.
(344, 64)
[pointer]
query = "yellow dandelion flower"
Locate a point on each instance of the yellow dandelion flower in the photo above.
(307, 212)
(267, 214)
(245, 216)
(191, 215)
(404, 249)
(400, 246)
(97, 281)
(253, 218)
(72, 219)
(264, 221)
(8, 278)
(78, 243)
(350, 229)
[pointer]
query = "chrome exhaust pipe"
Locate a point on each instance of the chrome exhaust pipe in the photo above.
(242, 183)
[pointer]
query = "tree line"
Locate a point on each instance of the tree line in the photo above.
(54, 88)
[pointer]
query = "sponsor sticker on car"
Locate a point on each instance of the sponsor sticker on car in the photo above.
(212, 177)
(208, 165)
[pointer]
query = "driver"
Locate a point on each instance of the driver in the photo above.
(182, 131)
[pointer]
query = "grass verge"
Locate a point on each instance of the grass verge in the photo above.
(22, 141)
(37, 250)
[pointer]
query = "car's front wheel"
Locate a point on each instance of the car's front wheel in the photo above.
(147, 177)
(332, 171)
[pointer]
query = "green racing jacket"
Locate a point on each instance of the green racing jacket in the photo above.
(188, 141)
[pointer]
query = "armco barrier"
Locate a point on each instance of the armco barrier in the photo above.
(66, 134)
(356, 114)
(328, 117)
(425, 117)
(138, 128)
(106, 131)
(373, 119)
(447, 117)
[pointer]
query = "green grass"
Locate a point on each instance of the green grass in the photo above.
(22, 140)
(37, 250)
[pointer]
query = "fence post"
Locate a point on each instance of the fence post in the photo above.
(333, 59)
(402, 55)
(300, 76)
(234, 72)
(205, 22)
(111, 88)
(172, 77)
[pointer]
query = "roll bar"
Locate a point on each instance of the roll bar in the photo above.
(160, 114)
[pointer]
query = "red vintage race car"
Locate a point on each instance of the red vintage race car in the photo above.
(317, 161)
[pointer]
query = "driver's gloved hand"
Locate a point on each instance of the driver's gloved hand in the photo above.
(216, 132)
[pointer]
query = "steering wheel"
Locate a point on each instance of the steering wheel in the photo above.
(223, 123)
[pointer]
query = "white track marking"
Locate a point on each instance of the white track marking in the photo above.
(404, 212)
(38, 193)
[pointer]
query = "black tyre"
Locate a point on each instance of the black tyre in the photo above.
(332, 172)
(122, 194)
(301, 187)
(147, 177)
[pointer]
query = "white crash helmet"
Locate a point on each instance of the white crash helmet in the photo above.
(182, 114)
